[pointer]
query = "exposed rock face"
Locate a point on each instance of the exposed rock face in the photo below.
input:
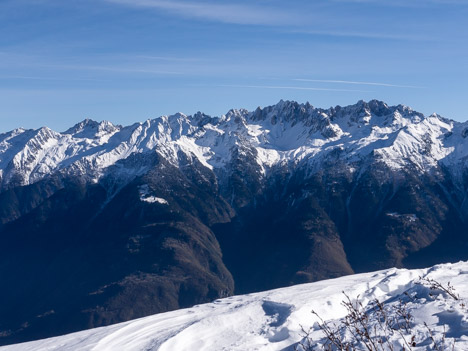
(105, 223)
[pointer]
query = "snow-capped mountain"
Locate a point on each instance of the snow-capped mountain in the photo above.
(275, 320)
(287, 133)
(103, 223)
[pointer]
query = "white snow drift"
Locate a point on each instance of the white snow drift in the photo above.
(272, 320)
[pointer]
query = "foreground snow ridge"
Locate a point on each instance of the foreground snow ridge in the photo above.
(273, 320)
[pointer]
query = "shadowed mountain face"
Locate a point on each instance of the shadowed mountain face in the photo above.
(102, 224)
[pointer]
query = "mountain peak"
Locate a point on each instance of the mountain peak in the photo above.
(90, 129)
(80, 126)
(276, 134)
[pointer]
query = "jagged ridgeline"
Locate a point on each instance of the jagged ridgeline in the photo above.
(104, 223)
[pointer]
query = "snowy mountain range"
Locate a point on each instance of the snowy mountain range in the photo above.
(285, 134)
(102, 223)
(275, 320)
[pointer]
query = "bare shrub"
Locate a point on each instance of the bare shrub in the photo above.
(376, 327)
(435, 285)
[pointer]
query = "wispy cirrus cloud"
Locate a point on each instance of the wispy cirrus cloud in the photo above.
(226, 13)
(13, 77)
(167, 58)
(281, 87)
(364, 35)
(255, 14)
(125, 64)
(357, 83)
(405, 3)
(116, 69)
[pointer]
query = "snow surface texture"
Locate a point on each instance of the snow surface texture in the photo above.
(272, 320)
(287, 133)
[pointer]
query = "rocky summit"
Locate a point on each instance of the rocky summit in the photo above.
(103, 223)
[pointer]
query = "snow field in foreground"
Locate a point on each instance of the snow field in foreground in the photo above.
(273, 320)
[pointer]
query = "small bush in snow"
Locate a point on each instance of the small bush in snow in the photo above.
(380, 327)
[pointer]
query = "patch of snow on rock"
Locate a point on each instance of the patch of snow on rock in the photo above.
(145, 196)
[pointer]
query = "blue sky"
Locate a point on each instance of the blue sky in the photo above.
(129, 60)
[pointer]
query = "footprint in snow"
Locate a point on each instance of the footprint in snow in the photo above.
(279, 313)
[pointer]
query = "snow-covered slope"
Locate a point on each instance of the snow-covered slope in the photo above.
(287, 133)
(273, 320)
